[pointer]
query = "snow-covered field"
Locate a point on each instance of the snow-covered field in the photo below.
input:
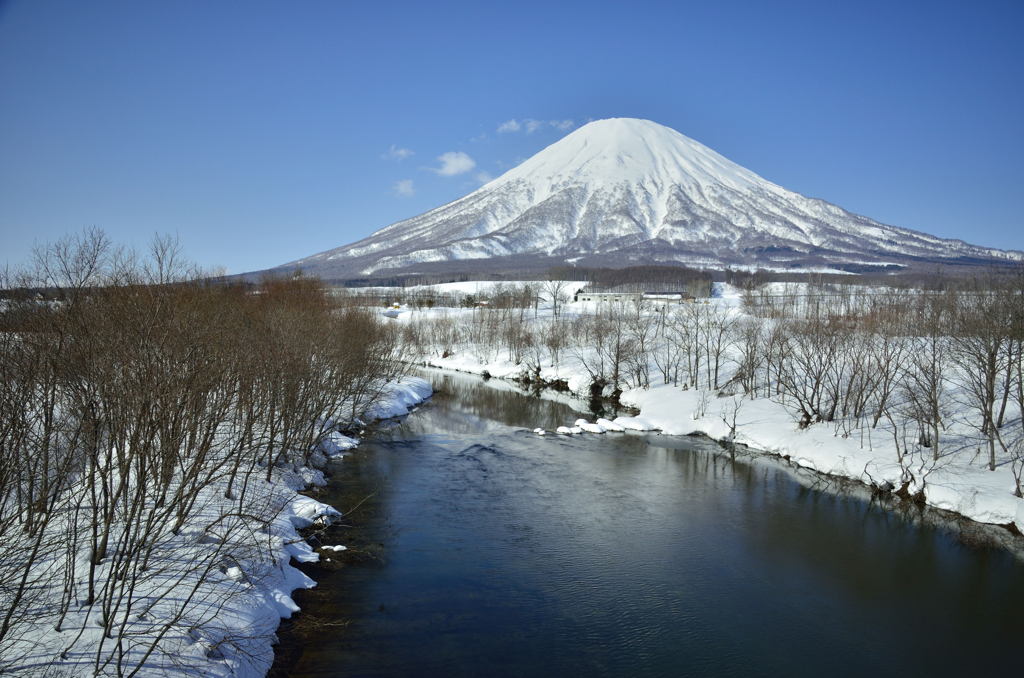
(214, 592)
(881, 455)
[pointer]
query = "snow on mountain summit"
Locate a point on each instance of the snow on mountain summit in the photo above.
(632, 150)
(623, 191)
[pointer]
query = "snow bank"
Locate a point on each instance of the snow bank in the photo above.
(609, 425)
(398, 397)
(271, 600)
(636, 424)
(954, 485)
(336, 444)
(586, 426)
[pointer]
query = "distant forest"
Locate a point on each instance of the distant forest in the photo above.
(666, 276)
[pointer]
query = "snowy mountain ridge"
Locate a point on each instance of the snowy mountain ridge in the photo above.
(623, 191)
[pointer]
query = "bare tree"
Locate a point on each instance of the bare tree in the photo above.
(555, 291)
(979, 348)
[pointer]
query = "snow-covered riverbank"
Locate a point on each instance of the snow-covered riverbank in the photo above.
(961, 485)
(225, 615)
(868, 456)
(271, 601)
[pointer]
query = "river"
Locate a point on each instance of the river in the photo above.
(477, 548)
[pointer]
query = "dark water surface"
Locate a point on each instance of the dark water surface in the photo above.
(480, 549)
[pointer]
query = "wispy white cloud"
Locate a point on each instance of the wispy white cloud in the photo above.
(484, 177)
(531, 125)
(509, 126)
(404, 188)
(398, 153)
(454, 162)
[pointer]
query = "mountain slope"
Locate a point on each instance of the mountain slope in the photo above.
(624, 191)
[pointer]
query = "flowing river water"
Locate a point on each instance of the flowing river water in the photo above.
(477, 548)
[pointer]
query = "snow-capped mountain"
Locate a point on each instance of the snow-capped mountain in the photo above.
(624, 191)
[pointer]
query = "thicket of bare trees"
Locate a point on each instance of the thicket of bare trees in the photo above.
(922, 361)
(141, 415)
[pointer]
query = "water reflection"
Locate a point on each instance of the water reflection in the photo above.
(486, 550)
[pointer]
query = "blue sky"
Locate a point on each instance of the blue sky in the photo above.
(262, 132)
